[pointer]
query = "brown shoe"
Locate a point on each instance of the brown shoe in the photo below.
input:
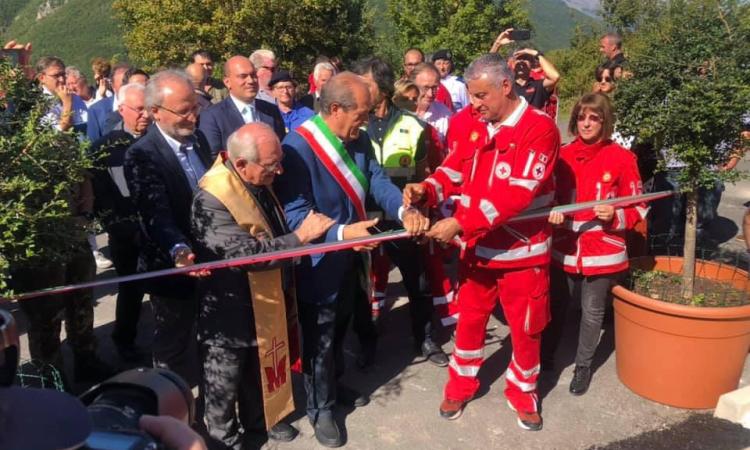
(451, 409)
(531, 421)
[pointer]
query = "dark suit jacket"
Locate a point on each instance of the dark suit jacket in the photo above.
(307, 185)
(311, 101)
(226, 312)
(99, 112)
(163, 197)
(218, 121)
(116, 212)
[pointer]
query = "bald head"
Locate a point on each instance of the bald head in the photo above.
(244, 142)
(345, 105)
(255, 152)
(197, 73)
(343, 89)
(241, 78)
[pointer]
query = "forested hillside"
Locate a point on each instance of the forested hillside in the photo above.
(75, 30)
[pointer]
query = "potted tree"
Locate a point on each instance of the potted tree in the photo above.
(39, 170)
(678, 341)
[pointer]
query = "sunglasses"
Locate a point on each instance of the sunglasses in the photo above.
(590, 117)
(604, 79)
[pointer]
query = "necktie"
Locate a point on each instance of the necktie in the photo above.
(248, 113)
(189, 169)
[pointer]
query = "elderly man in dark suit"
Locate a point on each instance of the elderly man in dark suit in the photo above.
(162, 170)
(235, 213)
(240, 107)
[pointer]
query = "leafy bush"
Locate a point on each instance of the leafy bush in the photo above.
(40, 169)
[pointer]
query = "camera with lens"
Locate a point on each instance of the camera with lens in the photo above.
(112, 411)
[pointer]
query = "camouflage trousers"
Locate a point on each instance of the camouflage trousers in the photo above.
(45, 314)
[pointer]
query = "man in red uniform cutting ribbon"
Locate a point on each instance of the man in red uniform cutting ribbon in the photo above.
(500, 165)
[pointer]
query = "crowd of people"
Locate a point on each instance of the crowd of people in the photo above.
(191, 168)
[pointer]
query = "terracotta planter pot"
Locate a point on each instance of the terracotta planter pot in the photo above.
(680, 355)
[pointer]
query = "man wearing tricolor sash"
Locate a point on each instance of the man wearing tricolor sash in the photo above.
(247, 324)
(330, 168)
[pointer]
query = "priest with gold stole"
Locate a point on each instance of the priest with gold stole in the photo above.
(247, 326)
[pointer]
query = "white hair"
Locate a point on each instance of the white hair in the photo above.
(491, 64)
(258, 56)
(72, 71)
(323, 66)
(125, 88)
(155, 86)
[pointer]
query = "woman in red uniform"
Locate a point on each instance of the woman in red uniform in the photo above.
(588, 250)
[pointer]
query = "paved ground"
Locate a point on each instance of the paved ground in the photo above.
(406, 392)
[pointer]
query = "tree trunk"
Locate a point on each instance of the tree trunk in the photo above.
(691, 225)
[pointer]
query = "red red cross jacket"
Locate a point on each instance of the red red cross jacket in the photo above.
(583, 244)
(497, 177)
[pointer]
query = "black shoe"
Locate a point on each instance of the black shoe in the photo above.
(347, 396)
(434, 354)
(327, 432)
(92, 369)
(581, 380)
(282, 432)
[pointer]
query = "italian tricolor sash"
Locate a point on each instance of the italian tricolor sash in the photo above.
(272, 306)
(331, 152)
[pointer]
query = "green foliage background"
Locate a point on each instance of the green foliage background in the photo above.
(40, 169)
(77, 32)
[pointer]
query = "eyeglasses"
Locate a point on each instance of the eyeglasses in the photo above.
(282, 87)
(186, 116)
(604, 79)
(591, 117)
(425, 89)
(269, 168)
(139, 111)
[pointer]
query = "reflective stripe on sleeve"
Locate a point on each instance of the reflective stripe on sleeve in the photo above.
(528, 184)
(620, 219)
(527, 251)
(452, 175)
(489, 210)
(438, 188)
(643, 212)
(464, 200)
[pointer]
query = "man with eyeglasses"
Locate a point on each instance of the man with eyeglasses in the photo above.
(412, 58)
(116, 212)
(242, 106)
(284, 89)
(162, 170)
(68, 110)
(242, 335)
(427, 79)
(265, 65)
